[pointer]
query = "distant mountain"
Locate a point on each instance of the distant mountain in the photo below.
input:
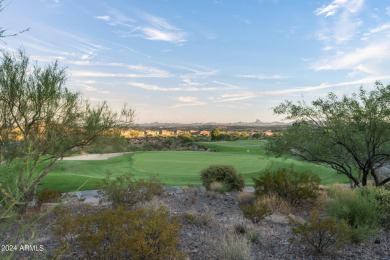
(172, 125)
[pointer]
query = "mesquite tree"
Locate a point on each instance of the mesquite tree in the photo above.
(350, 134)
(41, 121)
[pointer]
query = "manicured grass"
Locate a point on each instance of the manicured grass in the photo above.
(178, 167)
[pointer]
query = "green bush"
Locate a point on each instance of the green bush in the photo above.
(320, 234)
(225, 174)
(380, 197)
(117, 234)
(125, 189)
(289, 184)
(361, 212)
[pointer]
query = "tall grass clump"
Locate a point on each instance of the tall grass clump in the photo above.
(360, 210)
(233, 246)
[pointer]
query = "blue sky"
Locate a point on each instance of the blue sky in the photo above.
(205, 60)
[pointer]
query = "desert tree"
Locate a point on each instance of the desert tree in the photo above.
(40, 122)
(350, 134)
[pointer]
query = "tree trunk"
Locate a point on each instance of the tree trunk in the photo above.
(28, 196)
(375, 176)
(364, 178)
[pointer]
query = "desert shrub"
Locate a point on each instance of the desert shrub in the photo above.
(118, 234)
(320, 234)
(287, 183)
(358, 210)
(197, 219)
(225, 174)
(125, 189)
(245, 197)
(253, 236)
(380, 197)
(256, 211)
(218, 187)
(48, 195)
(232, 246)
(154, 204)
(275, 203)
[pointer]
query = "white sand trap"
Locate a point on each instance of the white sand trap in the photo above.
(90, 157)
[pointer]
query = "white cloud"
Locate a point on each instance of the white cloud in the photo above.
(188, 101)
(149, 27)
(297, 90)
(362, 81)
(141, 71)
(150, 86)
(262, 76)
(230, 86)
(158, 88)
(97, 74)
(103, 17)
(190, 83)
(378, 29)
(235, 97)
(352, 6)
(89, 88)
(155, 34)
(198, 73)
(356, 59)
(344, 24)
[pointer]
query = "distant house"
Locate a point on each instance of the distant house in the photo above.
(166, 133)
(204, 133)
(152, 133)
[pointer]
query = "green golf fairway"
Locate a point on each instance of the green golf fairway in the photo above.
(178, 168)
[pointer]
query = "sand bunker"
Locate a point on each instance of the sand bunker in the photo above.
(87, 157)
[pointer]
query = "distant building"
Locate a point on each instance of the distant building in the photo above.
(204, 133)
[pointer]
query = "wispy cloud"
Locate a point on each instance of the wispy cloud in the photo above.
(88, 88)
(147, 26)
(106, 18)
(262, 76)
(188, 101)
(362, 81)
(357, 59)
(379, 29)
(229, 86)
(353, 6)
(344, 24)
(198, 73)
(98, 74)
(235, 97)
(178, 89)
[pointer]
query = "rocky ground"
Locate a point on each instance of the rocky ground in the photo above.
(217, 218)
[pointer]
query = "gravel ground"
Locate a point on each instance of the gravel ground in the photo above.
(217, 215)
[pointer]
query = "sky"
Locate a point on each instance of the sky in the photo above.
(206, 60)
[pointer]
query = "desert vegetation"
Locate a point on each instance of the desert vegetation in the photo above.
(180, 198)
